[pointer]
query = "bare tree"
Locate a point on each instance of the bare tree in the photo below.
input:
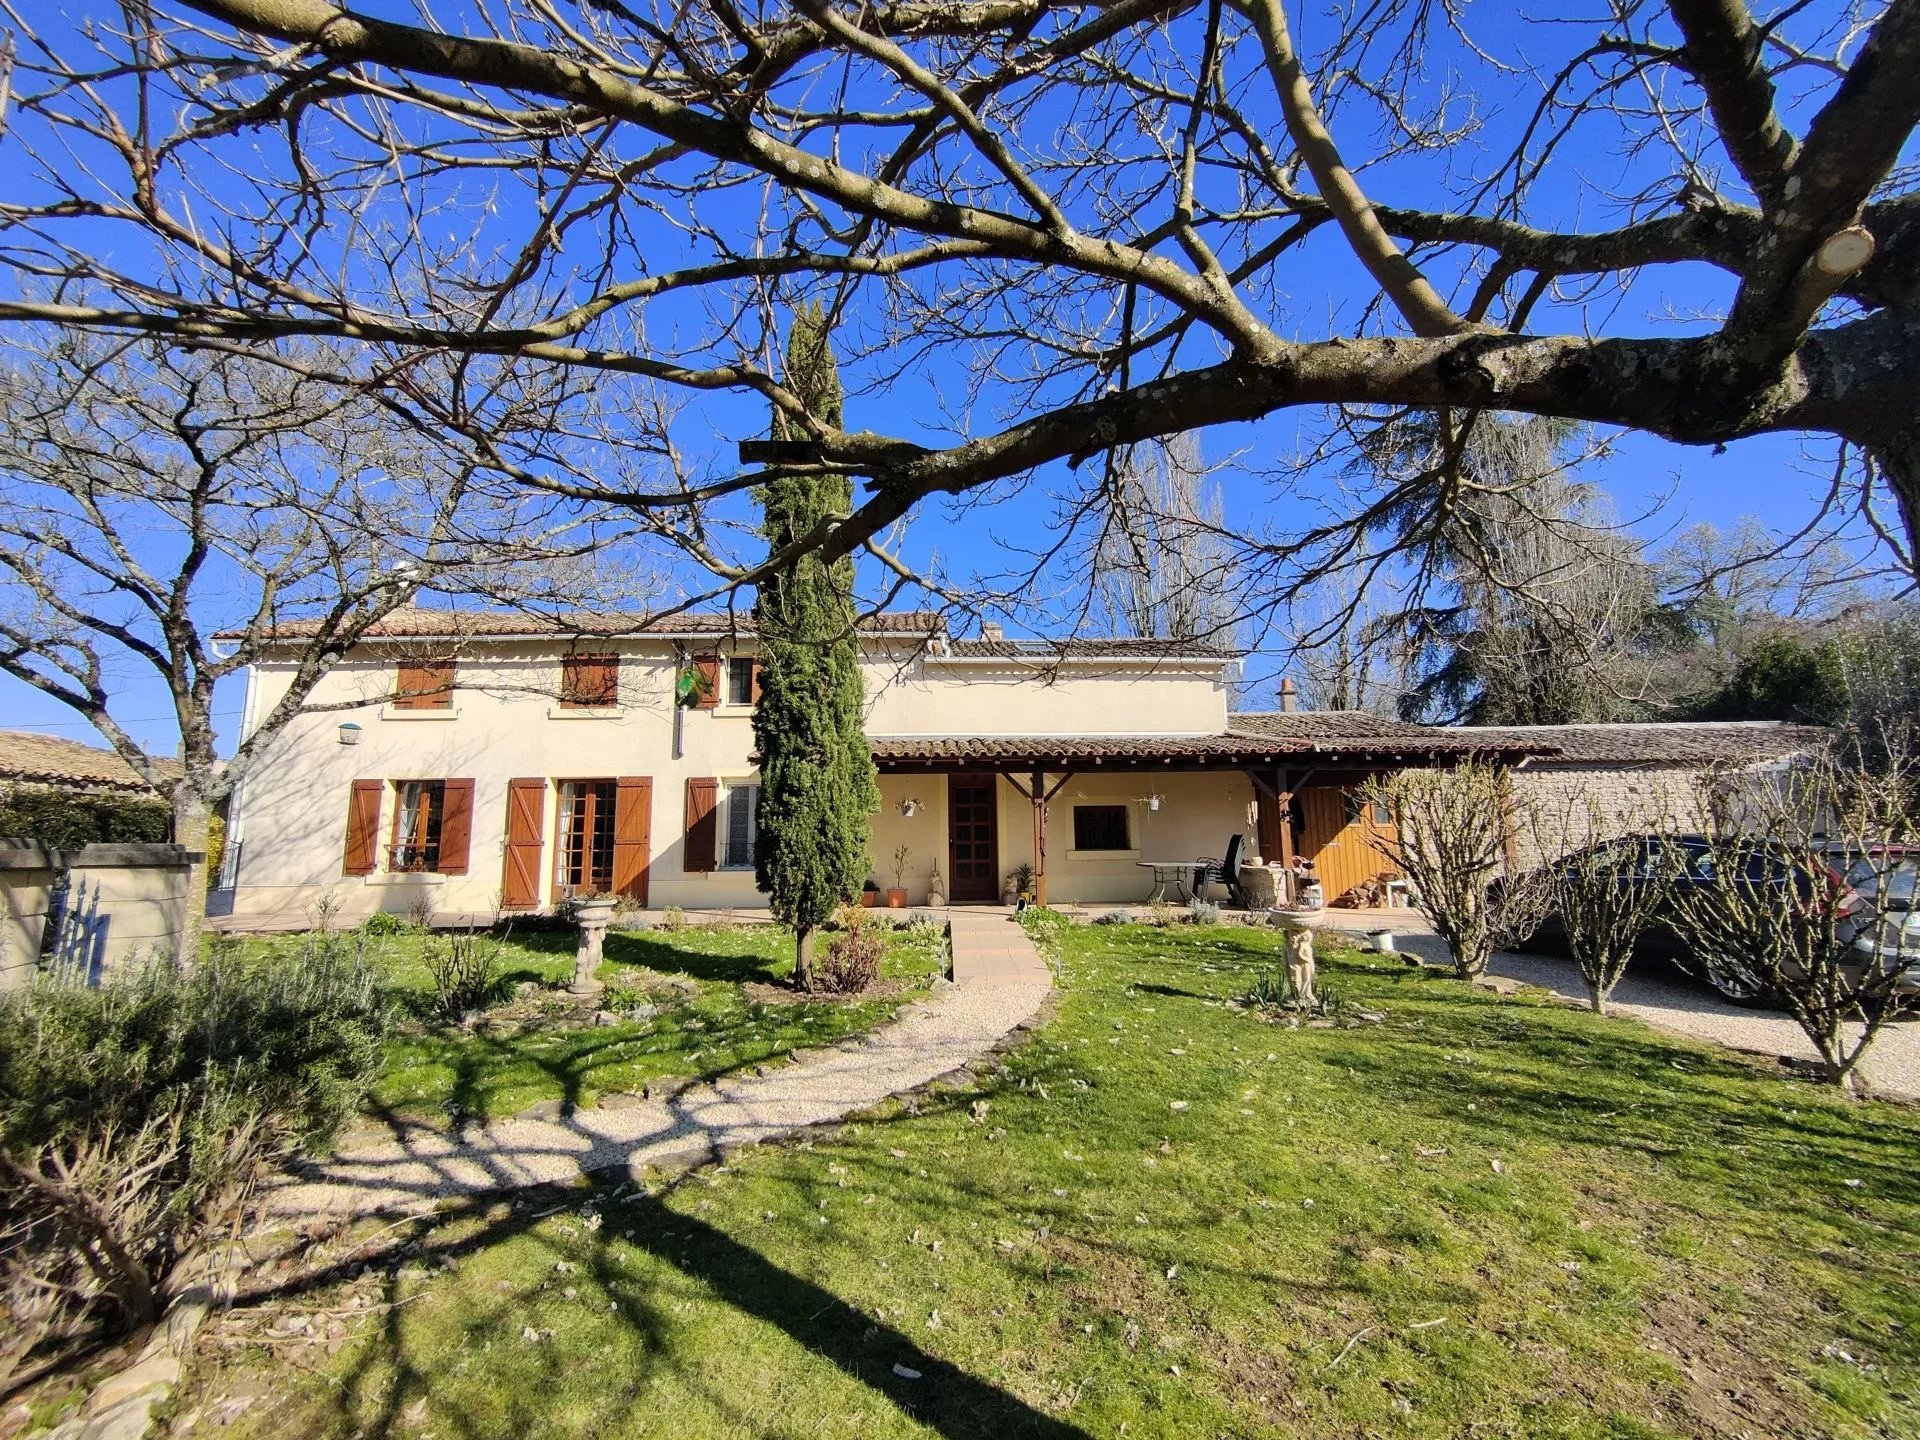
(1608, 881)
(1163, 566)
(180, 512)
(1452, 828)
(1778, 918)
(1105, 223)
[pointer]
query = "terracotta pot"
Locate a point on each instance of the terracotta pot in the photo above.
(869, 898)
(896, 898)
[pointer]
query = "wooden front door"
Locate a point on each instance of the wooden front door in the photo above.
(973, 846)
(1339, 835)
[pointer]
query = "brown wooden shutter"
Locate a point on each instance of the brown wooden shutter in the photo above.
(424, 685)
(526, 817)
(589, 681)
(363, 827)
(456, 826)
(703, 794)
(707, 669)
(632, 836)
(756, 682)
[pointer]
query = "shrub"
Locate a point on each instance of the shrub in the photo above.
(466, 973)
(1203, 912)
(1114, 917)
(381, 923)
(1043, 924)
(850, 960)
(673, 918)
(136, 1119)
(67, 821)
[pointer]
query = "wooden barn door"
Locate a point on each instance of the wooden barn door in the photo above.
(1339, 835)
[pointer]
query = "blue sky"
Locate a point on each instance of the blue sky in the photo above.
(1661, 486)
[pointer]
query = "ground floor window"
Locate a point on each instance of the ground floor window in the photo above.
(417, 820)
(586, 836)
(742, 809)
(1100, 827)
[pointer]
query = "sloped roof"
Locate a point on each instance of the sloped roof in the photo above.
(1671, 742)
(27, 758)
(1252, 744)
(424, 623)
(1017, 749)
(1328, 731)
(1075, 648)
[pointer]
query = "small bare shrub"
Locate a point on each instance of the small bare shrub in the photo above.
(850, 960)
(1779, 918)
(1608, 888)
(466, 973)
(1450, 840)
(1203, 912)
(673, 919)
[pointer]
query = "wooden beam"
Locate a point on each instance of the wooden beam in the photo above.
(1039, 796)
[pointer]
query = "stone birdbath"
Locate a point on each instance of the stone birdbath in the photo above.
(593, 916)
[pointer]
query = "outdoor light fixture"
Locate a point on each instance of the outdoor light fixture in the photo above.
(909, 808)
(349, 733)
(1152, 801)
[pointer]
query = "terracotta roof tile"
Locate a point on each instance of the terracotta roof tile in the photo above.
(1324, 731)
(31, 759)
(420, 622)
(1671, 742)
(1076, 648)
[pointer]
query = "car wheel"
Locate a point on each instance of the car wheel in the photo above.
(1736, 989)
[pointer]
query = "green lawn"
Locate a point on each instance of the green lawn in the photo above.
(1164, 1217)
(694, 979)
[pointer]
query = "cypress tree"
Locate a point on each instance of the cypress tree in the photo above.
(817, 784)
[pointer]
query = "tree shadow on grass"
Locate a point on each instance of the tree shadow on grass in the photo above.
(695, 1258)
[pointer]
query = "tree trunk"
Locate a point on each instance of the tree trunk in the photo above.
(191, 821)
(1597, 998)
(803, 958)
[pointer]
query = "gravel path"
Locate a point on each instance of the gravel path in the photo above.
(412, 1169)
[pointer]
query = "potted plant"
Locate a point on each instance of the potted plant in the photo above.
(897, 895)
(1019, 885)
(869, 894)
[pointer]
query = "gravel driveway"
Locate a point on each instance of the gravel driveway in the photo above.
(1892, 1066)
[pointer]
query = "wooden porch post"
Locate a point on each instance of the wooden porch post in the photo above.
(1039, 836)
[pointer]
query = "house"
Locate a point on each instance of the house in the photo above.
(466, 763)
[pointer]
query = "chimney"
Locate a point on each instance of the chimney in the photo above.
(1289, 697)
(990, 630)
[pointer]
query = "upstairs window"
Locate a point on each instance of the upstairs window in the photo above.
(743, 681)
(1100, 827)
(742, 810)
(589, 682)
(418, 821)
(424, 685)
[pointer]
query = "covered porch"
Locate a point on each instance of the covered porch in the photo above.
(1100, 819)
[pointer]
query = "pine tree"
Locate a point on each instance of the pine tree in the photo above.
(817, 784)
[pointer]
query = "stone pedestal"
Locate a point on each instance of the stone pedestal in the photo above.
(593, 917)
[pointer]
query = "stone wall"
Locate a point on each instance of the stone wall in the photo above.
(1559, 807)
(85, 911)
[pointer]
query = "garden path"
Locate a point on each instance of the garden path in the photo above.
(999, 984)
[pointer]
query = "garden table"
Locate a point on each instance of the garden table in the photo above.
(1165, 872)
